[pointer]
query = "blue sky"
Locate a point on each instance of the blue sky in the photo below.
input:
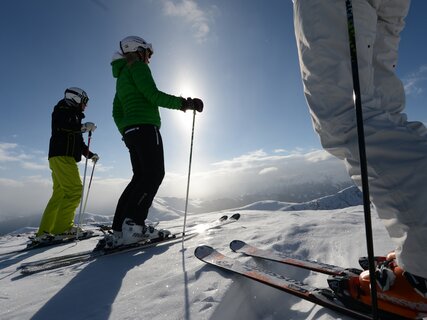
(238, 56)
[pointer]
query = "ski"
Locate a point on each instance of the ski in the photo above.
(250, 250)
(207, 226)
(212, 224)
(60, 261)
(31, 245)
(53, 241)
(89, 255)
(341, 281)
(322, 296)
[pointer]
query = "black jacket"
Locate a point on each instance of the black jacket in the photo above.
(67, 138)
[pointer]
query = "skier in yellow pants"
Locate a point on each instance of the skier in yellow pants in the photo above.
(67, 189)
(65, 150)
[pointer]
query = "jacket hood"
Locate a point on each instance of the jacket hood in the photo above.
(117, 63)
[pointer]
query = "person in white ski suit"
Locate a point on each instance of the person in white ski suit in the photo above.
(396, 148)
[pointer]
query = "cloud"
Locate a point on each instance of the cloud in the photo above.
(7, 151)
(29, 160)
(12, 153)
(412, 81)
(244, 161)
(25, 197)
(268, 170)
(33, 166)
(10, 183)
(28, 196)
(258, 172)
(279, 150)
(317, 156)
(190, 11)
(99, 166)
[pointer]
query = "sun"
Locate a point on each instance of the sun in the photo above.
(185, 119)
(186, 89)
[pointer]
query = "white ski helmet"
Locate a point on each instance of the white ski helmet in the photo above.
(133, 43)
(76, 95)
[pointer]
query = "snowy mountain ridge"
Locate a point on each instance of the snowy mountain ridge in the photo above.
(348, 197)
(165, 209)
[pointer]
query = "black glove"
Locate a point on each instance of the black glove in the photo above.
(94, 158)
(192, 104)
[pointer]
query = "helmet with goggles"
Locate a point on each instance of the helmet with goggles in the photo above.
(133, 44)
(76, 95)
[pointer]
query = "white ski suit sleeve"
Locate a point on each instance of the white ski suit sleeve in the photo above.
(396, 148)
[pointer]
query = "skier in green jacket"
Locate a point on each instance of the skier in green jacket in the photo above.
(136, 115)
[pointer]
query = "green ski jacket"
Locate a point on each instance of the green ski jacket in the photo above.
(137, 98)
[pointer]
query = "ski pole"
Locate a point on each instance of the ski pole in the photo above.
(88, 189)
(83, 188)
(362, 155)
(189, 172)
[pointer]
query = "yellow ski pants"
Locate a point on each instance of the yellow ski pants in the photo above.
(58, 216)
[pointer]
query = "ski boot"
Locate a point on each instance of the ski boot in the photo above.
(151, 232)
(385, 276)
(396, 297)
(111, 240)
(41, 239)
(73, 232)
(135, 233)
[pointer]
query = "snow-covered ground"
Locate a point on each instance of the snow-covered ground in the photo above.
(168, 282)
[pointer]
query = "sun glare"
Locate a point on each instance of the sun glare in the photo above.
(185, 119)
(186, 89)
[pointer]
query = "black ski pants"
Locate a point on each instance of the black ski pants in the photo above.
(146, 155)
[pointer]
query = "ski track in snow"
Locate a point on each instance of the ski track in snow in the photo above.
(168, 282)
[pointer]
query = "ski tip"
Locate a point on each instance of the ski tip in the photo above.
(203, 251)
(235, 216)
(236, 245)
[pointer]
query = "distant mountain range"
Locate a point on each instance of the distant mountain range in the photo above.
(292, 194)
(165, 208)
(348, 197)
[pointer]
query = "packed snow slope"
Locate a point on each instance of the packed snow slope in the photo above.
(168, 282)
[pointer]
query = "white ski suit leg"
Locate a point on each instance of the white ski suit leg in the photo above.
(396, 149)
